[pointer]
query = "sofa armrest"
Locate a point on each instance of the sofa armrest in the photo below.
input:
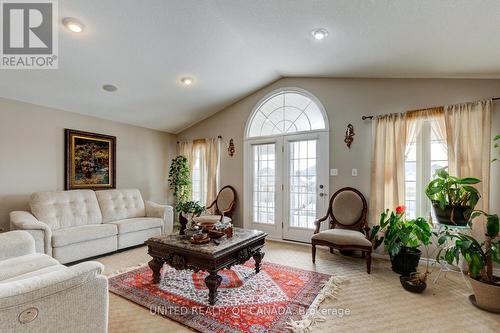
(41, 286)
(20, 220)
(15, 244)
(164, 212)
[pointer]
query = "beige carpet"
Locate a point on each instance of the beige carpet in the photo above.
(377, 302)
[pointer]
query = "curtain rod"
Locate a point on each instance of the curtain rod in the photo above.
(371, 117)
(218, 137)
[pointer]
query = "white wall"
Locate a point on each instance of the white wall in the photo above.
(32, 154)
(346, 100)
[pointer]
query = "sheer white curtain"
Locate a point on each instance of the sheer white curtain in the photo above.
(209, 152)
(388, 163)
(391, 136)
(468, 129)
(212, 153)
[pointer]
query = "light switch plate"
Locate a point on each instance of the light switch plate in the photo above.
(354, 172)
(334, 172)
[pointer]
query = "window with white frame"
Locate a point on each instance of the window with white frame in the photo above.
(198, 190)
(424, 155)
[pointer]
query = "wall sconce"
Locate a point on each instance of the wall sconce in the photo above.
(349, 135)
(230, 148)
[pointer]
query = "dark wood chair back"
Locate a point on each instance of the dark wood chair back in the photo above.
(225, 201)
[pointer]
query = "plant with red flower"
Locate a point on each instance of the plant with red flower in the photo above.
(400, 209)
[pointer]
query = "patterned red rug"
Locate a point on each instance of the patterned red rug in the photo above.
(271, 301)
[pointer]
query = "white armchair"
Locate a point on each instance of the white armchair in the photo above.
(37, 294)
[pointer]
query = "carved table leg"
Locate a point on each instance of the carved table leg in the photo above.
(258, 256)
(156, 264)
(213, 281)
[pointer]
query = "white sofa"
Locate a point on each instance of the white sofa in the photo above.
(37, 294)
(78, 224)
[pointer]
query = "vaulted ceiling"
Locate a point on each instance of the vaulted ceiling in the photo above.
(233, 47)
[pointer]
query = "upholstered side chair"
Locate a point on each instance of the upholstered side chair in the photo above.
(348, 226)
(221, 208)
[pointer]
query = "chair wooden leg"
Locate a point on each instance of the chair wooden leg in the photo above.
(313, 253)
(368, 262)
(331, 250)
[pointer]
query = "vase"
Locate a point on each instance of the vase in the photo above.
(183, 221)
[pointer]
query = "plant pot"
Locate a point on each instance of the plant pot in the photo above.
(412, 287)
(406, 261)
(487, 296)
(461, 215)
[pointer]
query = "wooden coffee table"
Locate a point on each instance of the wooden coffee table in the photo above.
(179, 253)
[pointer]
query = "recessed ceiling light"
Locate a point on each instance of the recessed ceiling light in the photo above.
(319, 34)
(109, 88)
(73, 24)
(187, 81)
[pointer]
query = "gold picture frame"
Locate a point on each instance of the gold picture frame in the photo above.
(90, 160)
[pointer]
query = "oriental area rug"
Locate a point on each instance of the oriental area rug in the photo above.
(278, 299)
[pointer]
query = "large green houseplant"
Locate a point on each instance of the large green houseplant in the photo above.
(479, 256)
(453, 198)
(180, 183)
(402, 237)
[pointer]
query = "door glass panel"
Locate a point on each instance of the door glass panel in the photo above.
(264, 183)
(303, 184)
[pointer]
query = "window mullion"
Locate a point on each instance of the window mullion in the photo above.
(425, 168)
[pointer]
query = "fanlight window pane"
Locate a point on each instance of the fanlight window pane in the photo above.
(286, 112)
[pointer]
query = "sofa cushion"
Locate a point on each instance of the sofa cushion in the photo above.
(38, 272)
(343, 237)
(83, 233)
(137, 224)
(120, 204)
(16, 266)
(66, 208)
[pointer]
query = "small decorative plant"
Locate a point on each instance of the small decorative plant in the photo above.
(453, 198)
(191, 209)
(402, 237)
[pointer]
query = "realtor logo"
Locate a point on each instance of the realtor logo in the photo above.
(29, 34)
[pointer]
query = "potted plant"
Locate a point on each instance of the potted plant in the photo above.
(402, 237)
(453, 198)
(479, 257)
(190, 209)
(180, 184)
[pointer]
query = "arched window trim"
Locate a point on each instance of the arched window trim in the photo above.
(270, 95)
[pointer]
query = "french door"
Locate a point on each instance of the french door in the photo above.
(288, 187)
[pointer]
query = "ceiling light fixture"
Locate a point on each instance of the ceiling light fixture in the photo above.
(187, 81)
(109, 88)
(73, 24)
(319, 34)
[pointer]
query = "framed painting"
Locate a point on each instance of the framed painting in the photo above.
(90, 160)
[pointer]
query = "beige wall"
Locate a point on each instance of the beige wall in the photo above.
(32, 154)
(346, 100)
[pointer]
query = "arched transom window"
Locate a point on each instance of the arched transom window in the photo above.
(285, 112)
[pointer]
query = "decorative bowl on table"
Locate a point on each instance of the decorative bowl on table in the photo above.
(200, 239)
